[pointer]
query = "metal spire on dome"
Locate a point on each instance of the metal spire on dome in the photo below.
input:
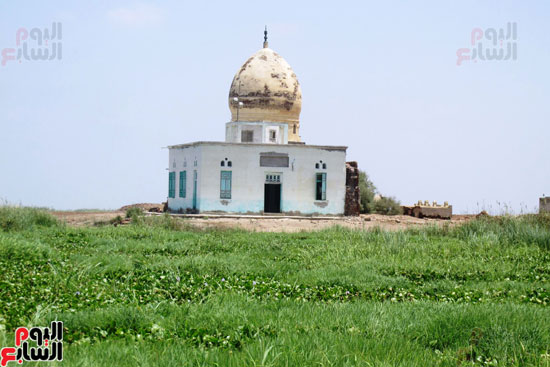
(266, 45)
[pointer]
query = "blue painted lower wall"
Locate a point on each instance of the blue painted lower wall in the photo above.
(257, 206)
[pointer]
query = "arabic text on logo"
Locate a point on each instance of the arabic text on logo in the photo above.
(48, 340)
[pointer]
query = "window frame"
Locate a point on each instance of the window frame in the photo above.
(226, 183)
(247, 132)
(273, 178)
(172, 184)
(321, 186)
(273, 136)
(183, 184)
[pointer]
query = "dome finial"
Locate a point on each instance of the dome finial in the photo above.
(266, 45)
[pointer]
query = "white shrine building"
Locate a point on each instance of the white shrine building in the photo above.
(262, 166)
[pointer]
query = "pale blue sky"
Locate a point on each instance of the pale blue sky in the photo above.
(379, 77)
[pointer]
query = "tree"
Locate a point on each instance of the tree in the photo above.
(370, 203)
(367, 190)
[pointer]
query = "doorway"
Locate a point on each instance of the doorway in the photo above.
(272, 198)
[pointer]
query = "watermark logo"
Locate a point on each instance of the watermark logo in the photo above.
(48, 340)
(45, 45)
(499, 46)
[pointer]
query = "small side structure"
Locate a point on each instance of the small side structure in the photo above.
(427, 210)
(544, 205)
(352, 205)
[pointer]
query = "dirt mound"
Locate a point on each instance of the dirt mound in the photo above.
(482, 214)
(149, 207)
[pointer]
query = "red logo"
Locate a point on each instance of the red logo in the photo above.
(48, 340)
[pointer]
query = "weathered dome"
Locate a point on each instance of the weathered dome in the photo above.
(268, 90)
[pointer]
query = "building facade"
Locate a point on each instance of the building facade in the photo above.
(262, 167)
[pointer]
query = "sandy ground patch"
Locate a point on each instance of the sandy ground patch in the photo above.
(363, 222)
(368, 221)
(86, 218)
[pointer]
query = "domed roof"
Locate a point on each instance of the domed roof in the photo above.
(268, 90)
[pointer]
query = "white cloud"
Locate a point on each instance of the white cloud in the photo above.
(138, 15)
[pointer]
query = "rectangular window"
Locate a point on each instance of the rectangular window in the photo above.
(321, 186)
(225, 185)
(172, 185)
(247, 136)
(183, 184)
(273, 178)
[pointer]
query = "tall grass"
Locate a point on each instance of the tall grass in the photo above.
(156, 293)
(526, 229)
(22, 218)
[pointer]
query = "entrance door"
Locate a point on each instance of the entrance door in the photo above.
(194, 190)
(272, 198)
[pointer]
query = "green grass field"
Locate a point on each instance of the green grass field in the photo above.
(158, 293)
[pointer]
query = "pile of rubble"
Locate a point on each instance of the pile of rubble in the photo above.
(146, 207)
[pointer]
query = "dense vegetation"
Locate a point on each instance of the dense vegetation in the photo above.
(372, 202)
(158, 293)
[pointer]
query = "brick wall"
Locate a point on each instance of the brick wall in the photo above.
(352, 204)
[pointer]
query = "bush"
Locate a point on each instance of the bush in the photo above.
(134, 213)
(116, 220)
(369, 204)
(388, 206)
(21, 218)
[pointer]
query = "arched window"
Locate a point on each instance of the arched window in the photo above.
(324, 166)
(316, 165)
(222, 164)
(229, 164)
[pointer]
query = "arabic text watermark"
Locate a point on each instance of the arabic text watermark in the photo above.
(490, 45)
(35, 45)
